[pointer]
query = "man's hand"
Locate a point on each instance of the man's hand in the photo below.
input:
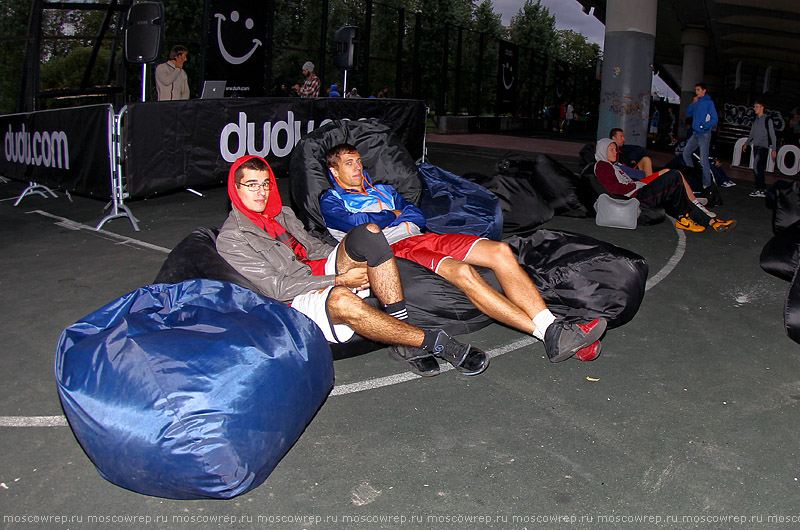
(695, 99)
(356, 278)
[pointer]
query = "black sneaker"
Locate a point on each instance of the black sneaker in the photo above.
(419, 361)
(563, 339)
(465, 358)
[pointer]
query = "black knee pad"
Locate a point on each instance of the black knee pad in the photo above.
(361, 244)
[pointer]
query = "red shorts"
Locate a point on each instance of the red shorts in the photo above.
(430, 249)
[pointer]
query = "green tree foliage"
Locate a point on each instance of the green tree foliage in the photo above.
(574, 49)
(534, 27)
(13, 26)
(485, 20)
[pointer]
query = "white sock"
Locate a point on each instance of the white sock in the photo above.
(542, 321)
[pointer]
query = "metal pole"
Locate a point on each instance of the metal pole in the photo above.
(144, 82)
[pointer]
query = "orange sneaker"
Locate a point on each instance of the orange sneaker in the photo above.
(685, 223)
(720, 226)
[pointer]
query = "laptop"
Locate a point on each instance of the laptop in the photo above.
(213, 90)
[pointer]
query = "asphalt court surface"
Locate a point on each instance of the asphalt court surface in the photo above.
(688, 418)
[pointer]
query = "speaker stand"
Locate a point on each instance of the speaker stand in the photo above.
(144, 81)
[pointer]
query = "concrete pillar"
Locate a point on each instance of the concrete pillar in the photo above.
(628, 68)
(695, 42)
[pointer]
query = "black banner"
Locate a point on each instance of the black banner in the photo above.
(66, 149)
(235, 46)
(184, 144)
(507, 77)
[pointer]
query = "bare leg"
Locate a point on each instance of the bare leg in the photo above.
(646, 165)
(518, 313)
(344, 307)
(383, 279)
(516, 283)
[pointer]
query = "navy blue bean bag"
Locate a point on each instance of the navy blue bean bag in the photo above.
(191, 390)
(453, 205)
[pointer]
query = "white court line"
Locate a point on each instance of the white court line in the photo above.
(369, 384)
(379, 382)
(61, 421)
(33, 421)
(72, 225)
(680, 250)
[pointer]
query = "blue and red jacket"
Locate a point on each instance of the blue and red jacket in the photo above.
(344, 209)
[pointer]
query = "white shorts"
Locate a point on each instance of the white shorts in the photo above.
(314, 305)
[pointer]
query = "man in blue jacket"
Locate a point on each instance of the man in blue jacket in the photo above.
(354, 200)
(704, 118)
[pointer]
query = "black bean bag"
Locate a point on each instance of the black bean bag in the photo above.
(383, 155)
(432, 301)
(450, 203)
(523, 209)
(552, 181)
(791, 309)
(581, 278)
(781, 255)
(786, 205)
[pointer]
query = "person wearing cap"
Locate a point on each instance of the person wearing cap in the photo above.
(311, 85)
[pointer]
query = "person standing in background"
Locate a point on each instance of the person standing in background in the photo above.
(762, 138)
(704, 118)
(311, 85)
(171, 81)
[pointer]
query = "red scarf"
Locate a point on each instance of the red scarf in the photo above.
(265, 220)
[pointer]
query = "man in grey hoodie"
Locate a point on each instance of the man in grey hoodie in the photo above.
(762, 138)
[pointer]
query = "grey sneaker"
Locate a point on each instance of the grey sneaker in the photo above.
(563, 339)
(419, 361)
(758, 193)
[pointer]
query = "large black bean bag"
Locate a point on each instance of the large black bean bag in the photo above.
(781, 255)
(523, 209)
(191, 390)
(383, 155)
(552, 181)
(432, 301)
(791, 309)
(787, 205)
(581, 278)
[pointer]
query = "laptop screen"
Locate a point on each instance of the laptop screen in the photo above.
(213, 90)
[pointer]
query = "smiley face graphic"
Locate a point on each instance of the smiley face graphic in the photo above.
(507, 67)
(249, 24)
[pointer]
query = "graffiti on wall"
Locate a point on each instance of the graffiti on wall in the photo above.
(619, 104)
(743, 116)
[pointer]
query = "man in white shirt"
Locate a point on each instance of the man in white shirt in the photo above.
(171, 80)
